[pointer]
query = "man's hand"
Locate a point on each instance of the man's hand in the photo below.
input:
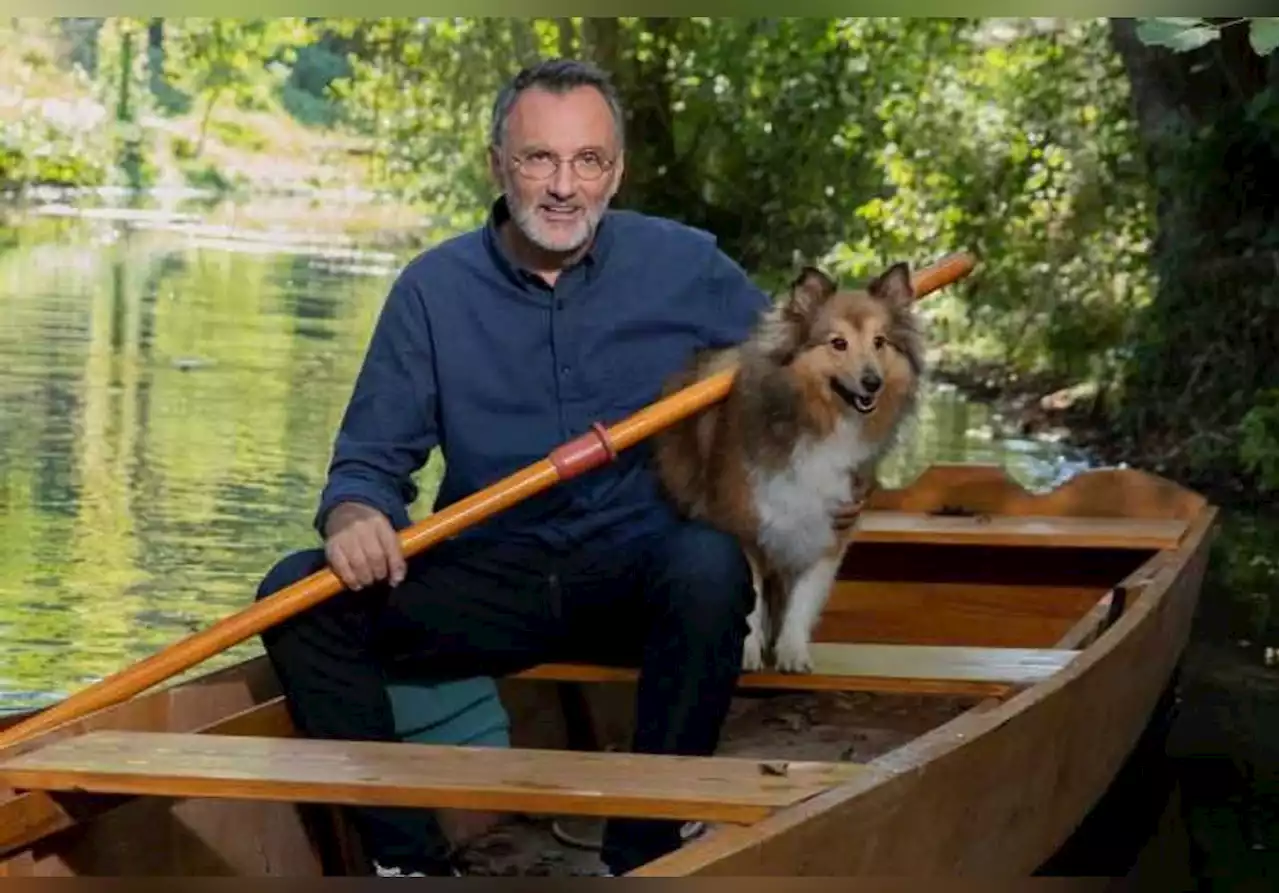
(846, 514)
(362, 546)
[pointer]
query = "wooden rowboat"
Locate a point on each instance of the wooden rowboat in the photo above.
(987, 661)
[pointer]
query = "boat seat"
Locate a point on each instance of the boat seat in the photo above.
(470, 713)
(166, 764)
(873, 667)
(876, 526)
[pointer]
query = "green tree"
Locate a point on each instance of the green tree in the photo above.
(211, 59)
(1199, 398)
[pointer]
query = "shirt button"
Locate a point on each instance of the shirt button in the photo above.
(564, 370)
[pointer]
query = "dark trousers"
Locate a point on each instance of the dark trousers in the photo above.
(674, 605)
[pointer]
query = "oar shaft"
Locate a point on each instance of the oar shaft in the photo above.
(569, 460)
(942, 273)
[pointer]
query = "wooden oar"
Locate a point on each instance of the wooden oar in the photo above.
(567, 461)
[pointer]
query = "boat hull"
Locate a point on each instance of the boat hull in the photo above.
(995, 791)
(998, 790)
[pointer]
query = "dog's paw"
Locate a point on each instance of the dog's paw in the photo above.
(753, 653)
(791, 655)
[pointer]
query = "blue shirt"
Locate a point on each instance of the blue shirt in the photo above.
(478, 357)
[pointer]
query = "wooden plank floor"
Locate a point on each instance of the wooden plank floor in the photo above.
(714, 789)
(910, 669)
(1019, 530)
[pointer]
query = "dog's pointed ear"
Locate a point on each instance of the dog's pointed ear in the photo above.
(894, 285)
(809, 289)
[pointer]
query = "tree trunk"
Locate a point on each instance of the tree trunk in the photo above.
(568, 33)
(124, 105)
(155, 57)
(600, 38)
(82, 35)
(204, 121)
(526, 42)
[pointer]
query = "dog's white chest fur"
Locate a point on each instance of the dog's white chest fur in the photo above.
(795, 504)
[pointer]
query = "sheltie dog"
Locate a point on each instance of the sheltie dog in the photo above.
(824, 383)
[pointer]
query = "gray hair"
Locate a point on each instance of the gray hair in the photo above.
(555, 76)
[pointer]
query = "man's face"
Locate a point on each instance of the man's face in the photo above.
(559, 213)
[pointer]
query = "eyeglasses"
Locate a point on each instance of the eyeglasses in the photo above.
(541, 165)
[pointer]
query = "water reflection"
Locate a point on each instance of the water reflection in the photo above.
(166, 413)
(165, 418)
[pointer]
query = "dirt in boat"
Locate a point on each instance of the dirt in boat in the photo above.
(835, 726)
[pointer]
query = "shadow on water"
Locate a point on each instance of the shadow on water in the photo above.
(166, 412)
(167, 405)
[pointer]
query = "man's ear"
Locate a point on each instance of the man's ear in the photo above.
(619, 168)
(495, 166)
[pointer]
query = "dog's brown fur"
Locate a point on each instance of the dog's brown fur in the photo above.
(785, 448)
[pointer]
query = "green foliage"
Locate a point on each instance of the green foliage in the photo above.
(1193, 400)
(421, 89)
(1258, 448)
(1021, 149)
(766, 131)
(203, 175)
(1264, 35)
(1183, 34)
(855, 141)
(1178, 34)
(37, 151)
(212, 58)
(182, 148)
(237, 134)
(1242, 579)
(304, 93)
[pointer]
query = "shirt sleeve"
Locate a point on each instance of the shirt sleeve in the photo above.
(738, 303)
(389, 427)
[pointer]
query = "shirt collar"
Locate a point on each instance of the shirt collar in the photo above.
(500, 213)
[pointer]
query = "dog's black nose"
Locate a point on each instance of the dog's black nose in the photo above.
(871, 381)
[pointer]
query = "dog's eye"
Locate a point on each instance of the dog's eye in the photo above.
(881, 341)
(839, 343)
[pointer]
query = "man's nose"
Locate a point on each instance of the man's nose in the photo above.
(562, 183)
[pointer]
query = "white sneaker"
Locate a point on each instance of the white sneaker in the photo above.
(394, 871)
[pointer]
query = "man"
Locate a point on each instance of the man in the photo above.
(496, 347)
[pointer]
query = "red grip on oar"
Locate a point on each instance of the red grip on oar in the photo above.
(583, 453)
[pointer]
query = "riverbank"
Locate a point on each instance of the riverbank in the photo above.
(339, 219)
(60, 127)
(1042, 405)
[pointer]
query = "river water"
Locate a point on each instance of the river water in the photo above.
(168, 399)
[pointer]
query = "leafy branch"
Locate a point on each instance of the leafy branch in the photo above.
(1183, 34)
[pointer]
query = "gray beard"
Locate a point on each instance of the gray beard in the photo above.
(525, 218)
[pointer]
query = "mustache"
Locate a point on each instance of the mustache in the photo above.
(510, 188)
